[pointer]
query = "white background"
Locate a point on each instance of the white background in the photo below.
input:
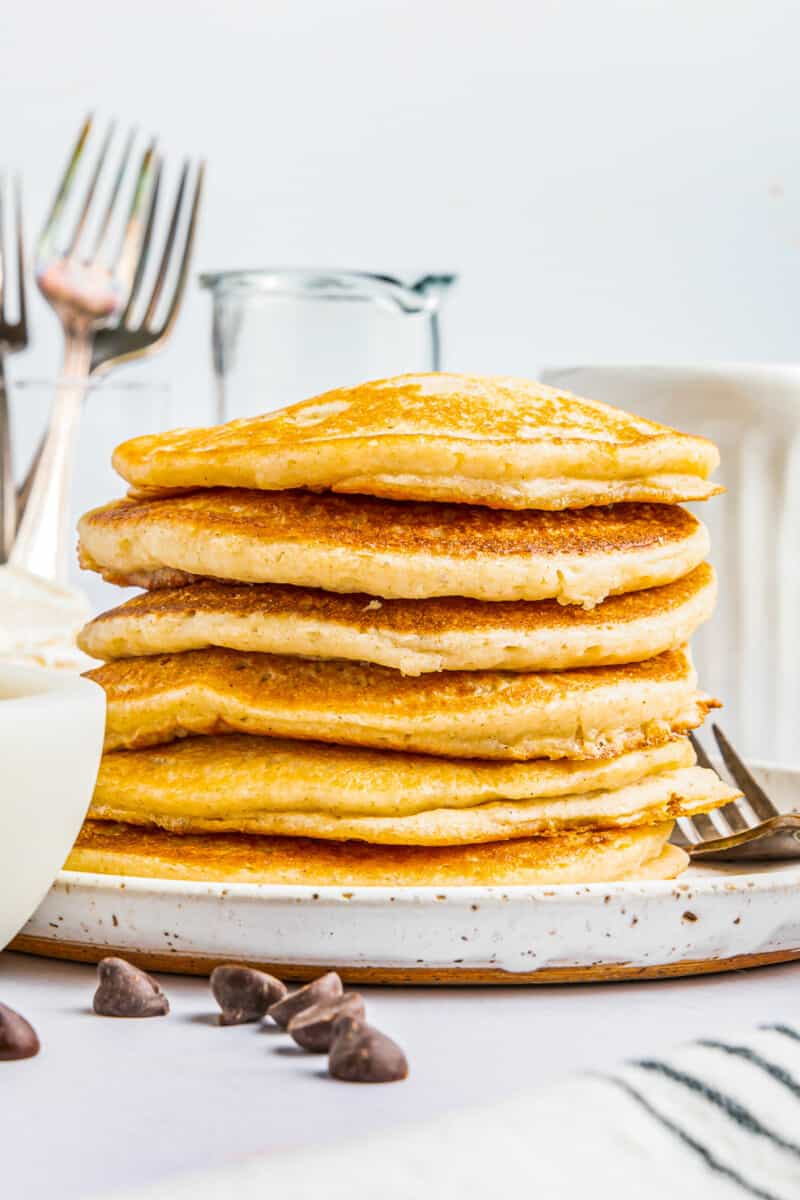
(612, 181)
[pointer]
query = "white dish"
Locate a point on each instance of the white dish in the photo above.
(51, 737)
(752, 412)
(712, 918)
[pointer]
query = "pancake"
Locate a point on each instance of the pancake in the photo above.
(413, 636)
(506, 443)
(658, 797)
(597, 712)
(636, 853)
(236, 776)
(401, 551)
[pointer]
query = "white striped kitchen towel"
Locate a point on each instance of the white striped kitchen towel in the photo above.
(718, 1119)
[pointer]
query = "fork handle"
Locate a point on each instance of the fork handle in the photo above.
(8, 500)
(44, 534)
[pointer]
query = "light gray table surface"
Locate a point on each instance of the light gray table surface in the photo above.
(112, 1104)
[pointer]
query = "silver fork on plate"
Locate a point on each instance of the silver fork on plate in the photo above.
(94, 297)
(13, 337)
(749, 828)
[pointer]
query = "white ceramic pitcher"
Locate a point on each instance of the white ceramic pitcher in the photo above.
(749, 653)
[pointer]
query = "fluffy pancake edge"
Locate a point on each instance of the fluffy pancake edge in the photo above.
(238, 775)
(660, 797)
(394, 551)
(470, 436)
(598, 712)
(433, 635)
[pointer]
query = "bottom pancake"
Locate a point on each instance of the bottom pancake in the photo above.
(599, 857)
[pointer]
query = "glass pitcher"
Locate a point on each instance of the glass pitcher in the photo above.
(283, 335)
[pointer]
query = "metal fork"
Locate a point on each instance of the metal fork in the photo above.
(13, 337)
(767, 833)
(94, 297)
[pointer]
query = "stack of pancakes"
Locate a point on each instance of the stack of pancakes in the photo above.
(427, 630)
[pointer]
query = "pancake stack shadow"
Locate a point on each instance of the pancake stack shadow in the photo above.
(429, 630)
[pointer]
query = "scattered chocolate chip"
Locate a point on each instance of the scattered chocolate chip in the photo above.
(125, 991)
(313, 1027)
(244, 994)
(319, 991)
(361, 1054)
(17, 1038)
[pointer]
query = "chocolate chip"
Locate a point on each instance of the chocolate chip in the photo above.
(361, 1054)
(17, 1038)
(244, 994)
(125, 991)
(320, 991)
(313, 1027)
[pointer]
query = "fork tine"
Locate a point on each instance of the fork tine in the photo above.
(678, 837)
(166, 253)
(702, 758)
(686, 829)
(704, 827)
(90, 191)
(733, 816)
(51, 225)
(183, 269)
(112, 200)
(136, 224)
(22, 320)
(19, 327)
(760, 803)
(144, 249)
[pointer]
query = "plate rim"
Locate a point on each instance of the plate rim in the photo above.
(709, 884)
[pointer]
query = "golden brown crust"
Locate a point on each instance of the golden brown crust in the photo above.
(411, 550)
(370, 525)
(424, 618)
(572, 857)
(412, 636)
(238, 774)
(506, 443)
(300, 683)
(583, 713)
(171, 793)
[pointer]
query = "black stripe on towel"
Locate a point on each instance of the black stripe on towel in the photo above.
(737, 1112)
(708, 1158)
(786, 1030)
(772, 1069)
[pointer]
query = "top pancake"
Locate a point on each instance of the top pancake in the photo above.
(404, 551)
(505, 443)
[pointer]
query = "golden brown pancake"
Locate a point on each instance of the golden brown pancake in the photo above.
(235, 775)
(404, 551)
(506, 443)
(413, 636)
(637, 853)
(233, 784)
(596, 712)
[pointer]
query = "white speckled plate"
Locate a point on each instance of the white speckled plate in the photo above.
(714, 918)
